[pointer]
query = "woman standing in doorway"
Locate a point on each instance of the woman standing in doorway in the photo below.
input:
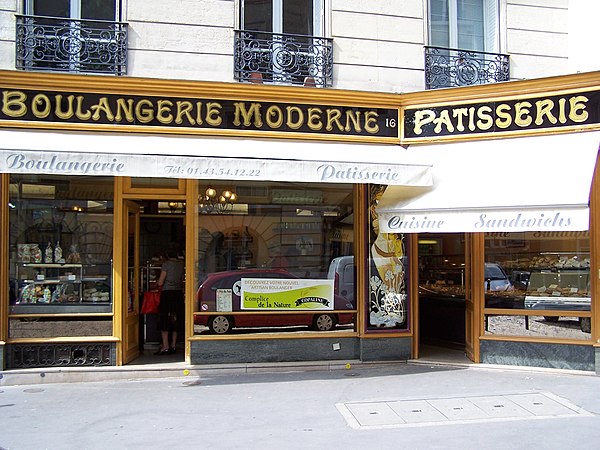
(171, 301)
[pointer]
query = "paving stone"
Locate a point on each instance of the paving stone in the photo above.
(374, 413)
(500, 407)
(417, 411)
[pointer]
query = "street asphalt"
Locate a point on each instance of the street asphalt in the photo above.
(396, 406)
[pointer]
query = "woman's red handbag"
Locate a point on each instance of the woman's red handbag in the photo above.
(151, 302)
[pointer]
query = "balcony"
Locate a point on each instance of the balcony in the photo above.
(71, 45)
(450, 67)
(291, 59)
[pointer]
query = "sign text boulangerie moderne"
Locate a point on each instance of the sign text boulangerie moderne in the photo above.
(184, 114)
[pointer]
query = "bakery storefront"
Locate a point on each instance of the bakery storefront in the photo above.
(261, 191)
(307, 232)
(507, 235)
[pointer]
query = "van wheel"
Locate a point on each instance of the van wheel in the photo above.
(585, 323)
(323, 322)
(551, 318)
(220, 324)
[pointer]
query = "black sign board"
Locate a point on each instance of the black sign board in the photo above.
(524, 114)
(157, 113)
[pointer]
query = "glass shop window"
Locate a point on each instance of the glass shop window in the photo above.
(388, 273)
(275, 257)
(61, 231)
(544, 275)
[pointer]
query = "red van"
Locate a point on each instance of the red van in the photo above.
(231, 282)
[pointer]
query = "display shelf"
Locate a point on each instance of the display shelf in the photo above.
(60, 308)
(559, 290)
(55, 288)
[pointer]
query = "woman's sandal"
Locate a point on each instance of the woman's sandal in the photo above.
(162, 352)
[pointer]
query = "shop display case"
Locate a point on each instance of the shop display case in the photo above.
(547, 281)
(562, 289)
(536, 275)
(55, 288)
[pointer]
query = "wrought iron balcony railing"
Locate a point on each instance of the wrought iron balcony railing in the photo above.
(71, 45)
(283, 58)
(450, 67)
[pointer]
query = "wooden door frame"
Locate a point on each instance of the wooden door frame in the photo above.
(474, 296)
(474, 260)
(189, 195)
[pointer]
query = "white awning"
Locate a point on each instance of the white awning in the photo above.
(138, 155)
(536, 183)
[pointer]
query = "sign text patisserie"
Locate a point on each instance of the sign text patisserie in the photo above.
(522, 114)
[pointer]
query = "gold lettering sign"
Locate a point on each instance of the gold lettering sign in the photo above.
(514, 115)
(191, 114)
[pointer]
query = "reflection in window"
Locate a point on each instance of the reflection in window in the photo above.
(537, 326)
(278, 258)
(548, 271)
(56, 328)
(464, 24)
(60, 243)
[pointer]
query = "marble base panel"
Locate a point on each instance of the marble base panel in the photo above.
(535, 354)
(385, 349)
(273, 350)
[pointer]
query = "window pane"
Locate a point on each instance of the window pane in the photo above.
(439, 23)
(470, 25)
(154, 183)
(548, 271)
(258, 15)
(61, 231)
(59, 327)
(55, 8)
(273, 243)
(388, 271)
(298, 17)
(536, 326)
(98, 9)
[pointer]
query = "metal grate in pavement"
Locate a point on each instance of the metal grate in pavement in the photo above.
(455, 410)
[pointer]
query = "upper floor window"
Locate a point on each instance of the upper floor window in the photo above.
(279, 16)
(464, 24)
(72, 35)
(281, 42)
(464, 44)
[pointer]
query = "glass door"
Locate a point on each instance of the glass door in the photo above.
(131, 292)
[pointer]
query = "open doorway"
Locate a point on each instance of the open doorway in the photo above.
(161, 230)
(442, 297)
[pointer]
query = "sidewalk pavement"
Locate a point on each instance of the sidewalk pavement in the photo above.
(304, 406)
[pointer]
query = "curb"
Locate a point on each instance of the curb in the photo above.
(52, 375)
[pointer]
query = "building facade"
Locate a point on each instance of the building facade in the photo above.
(333, 176)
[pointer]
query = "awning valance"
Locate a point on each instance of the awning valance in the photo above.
(50, 152)
(536, 183)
